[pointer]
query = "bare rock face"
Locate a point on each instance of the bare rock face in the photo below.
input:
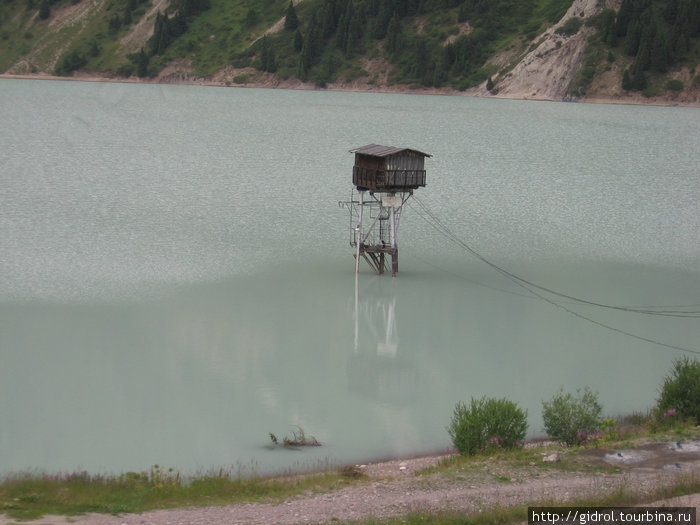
(547, 70)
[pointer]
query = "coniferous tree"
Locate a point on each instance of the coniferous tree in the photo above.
(142, 64)
(164, 40)
(252, 17)
(660, 53)
(349, 30)
(643, 58)
(394, 36)
(440, 72)
(421, 61)
(608, 34)
(639, 81)
(44, 9)
(463, 13)
(190, 8)
(383, 19)
(354, 36)
(633, 36)
(670, 11)
(341, 34)
(327, 70)
(310, 49)
(329, 18)
(154, 41)
(291, 22)
(70, 62)
(126, 15)
(627, 81)
(177, 25)
(267, 56)
(94, 48)
(624, 16)
(298, 40)
(115, 23)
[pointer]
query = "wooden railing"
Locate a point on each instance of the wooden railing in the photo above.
(374, 179)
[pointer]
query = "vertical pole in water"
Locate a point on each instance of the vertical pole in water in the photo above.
(357, 314)
(392, 241)
(392, 226)
(358, 233)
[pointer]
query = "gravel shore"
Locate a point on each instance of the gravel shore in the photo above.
(396, 488)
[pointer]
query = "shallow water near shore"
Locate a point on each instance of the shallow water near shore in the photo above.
(177, 281)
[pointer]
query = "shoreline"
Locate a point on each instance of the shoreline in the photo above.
(396, 488)
(295, 84)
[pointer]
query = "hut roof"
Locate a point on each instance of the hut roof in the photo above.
(375, 150)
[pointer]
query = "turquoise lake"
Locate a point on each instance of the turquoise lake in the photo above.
(176, 279)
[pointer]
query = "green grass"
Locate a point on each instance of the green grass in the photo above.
(551, 10)
(28, 496)
(220, 33)
(24, 35)
(521, 464)
(17, 37)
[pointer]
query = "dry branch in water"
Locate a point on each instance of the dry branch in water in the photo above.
(300, 440)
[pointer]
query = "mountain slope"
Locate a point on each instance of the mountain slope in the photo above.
(539, 49)
(547, 71)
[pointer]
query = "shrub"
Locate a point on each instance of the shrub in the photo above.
(680, 393)
(487, 423)
(572, 419)
(125, 70)
(674, 85)
(69, 63)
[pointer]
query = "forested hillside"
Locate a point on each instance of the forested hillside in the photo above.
(645, 46)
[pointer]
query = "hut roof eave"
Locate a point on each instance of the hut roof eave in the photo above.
(376, 150)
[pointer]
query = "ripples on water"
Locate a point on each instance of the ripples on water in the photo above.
(177, 283)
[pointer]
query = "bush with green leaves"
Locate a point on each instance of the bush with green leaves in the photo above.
(674, 85)
(485, 424)
(571, 419)
(680, 393)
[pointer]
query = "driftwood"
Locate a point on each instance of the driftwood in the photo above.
(300, 440)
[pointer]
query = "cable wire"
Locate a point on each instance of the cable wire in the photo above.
(533, 288)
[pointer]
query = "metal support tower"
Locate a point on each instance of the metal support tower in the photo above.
(374, 225)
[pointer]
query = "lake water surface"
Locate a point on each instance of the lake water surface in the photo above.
(176, 280)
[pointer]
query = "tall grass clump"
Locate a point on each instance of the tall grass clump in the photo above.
(487, 423)
(572, 419)
(680, 392)
(29, 496)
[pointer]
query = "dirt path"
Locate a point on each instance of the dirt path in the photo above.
(395, 488)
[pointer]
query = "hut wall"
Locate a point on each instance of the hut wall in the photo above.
(398, 171)
(405, 162)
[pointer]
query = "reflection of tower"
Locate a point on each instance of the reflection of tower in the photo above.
(376, 368)
(379, 320)
(389, 175)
